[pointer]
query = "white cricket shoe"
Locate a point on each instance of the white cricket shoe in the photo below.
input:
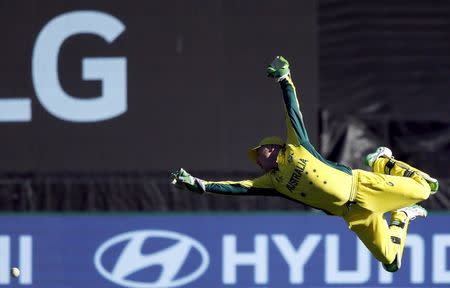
(380, 152)
(414, 211)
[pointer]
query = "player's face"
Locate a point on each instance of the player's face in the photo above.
(266, 159)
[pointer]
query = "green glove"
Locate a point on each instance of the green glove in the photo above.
(182, 179)
(278, 69)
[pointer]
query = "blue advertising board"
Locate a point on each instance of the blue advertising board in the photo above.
(210, 250)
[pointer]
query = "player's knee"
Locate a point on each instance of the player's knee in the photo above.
(424, 193)
(382, 252)
(421, 191)
(421, 195)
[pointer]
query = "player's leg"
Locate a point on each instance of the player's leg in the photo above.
(410, 171)
(398, 226)
(373, 230)
(385, 242)
(382, 193)
(382, 161)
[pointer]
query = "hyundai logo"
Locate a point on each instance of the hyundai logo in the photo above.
(122, 259)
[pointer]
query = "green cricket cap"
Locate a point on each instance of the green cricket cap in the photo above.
(271, 140)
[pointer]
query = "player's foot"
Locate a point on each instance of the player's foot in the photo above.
(380, 152)
(414, 211)
(393, 267)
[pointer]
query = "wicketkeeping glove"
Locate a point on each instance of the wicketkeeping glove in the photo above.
(278, 69)
(182, 179)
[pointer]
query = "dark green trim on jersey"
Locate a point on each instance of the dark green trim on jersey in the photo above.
(290, 100)
(335, 165)
(295, 116)
(238, 189)
(226, 188)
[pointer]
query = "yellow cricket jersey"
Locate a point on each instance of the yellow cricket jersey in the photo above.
(303, 175)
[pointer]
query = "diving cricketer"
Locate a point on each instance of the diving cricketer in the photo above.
(295, 170)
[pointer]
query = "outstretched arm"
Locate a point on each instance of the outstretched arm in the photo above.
(296, 131)
(258, 186)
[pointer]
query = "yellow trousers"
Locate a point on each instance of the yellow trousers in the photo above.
(377, 194)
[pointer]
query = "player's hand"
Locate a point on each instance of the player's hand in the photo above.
(183, 180)
(278, 69)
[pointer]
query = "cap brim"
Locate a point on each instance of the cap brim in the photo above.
(272, 140)
(253, 153)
